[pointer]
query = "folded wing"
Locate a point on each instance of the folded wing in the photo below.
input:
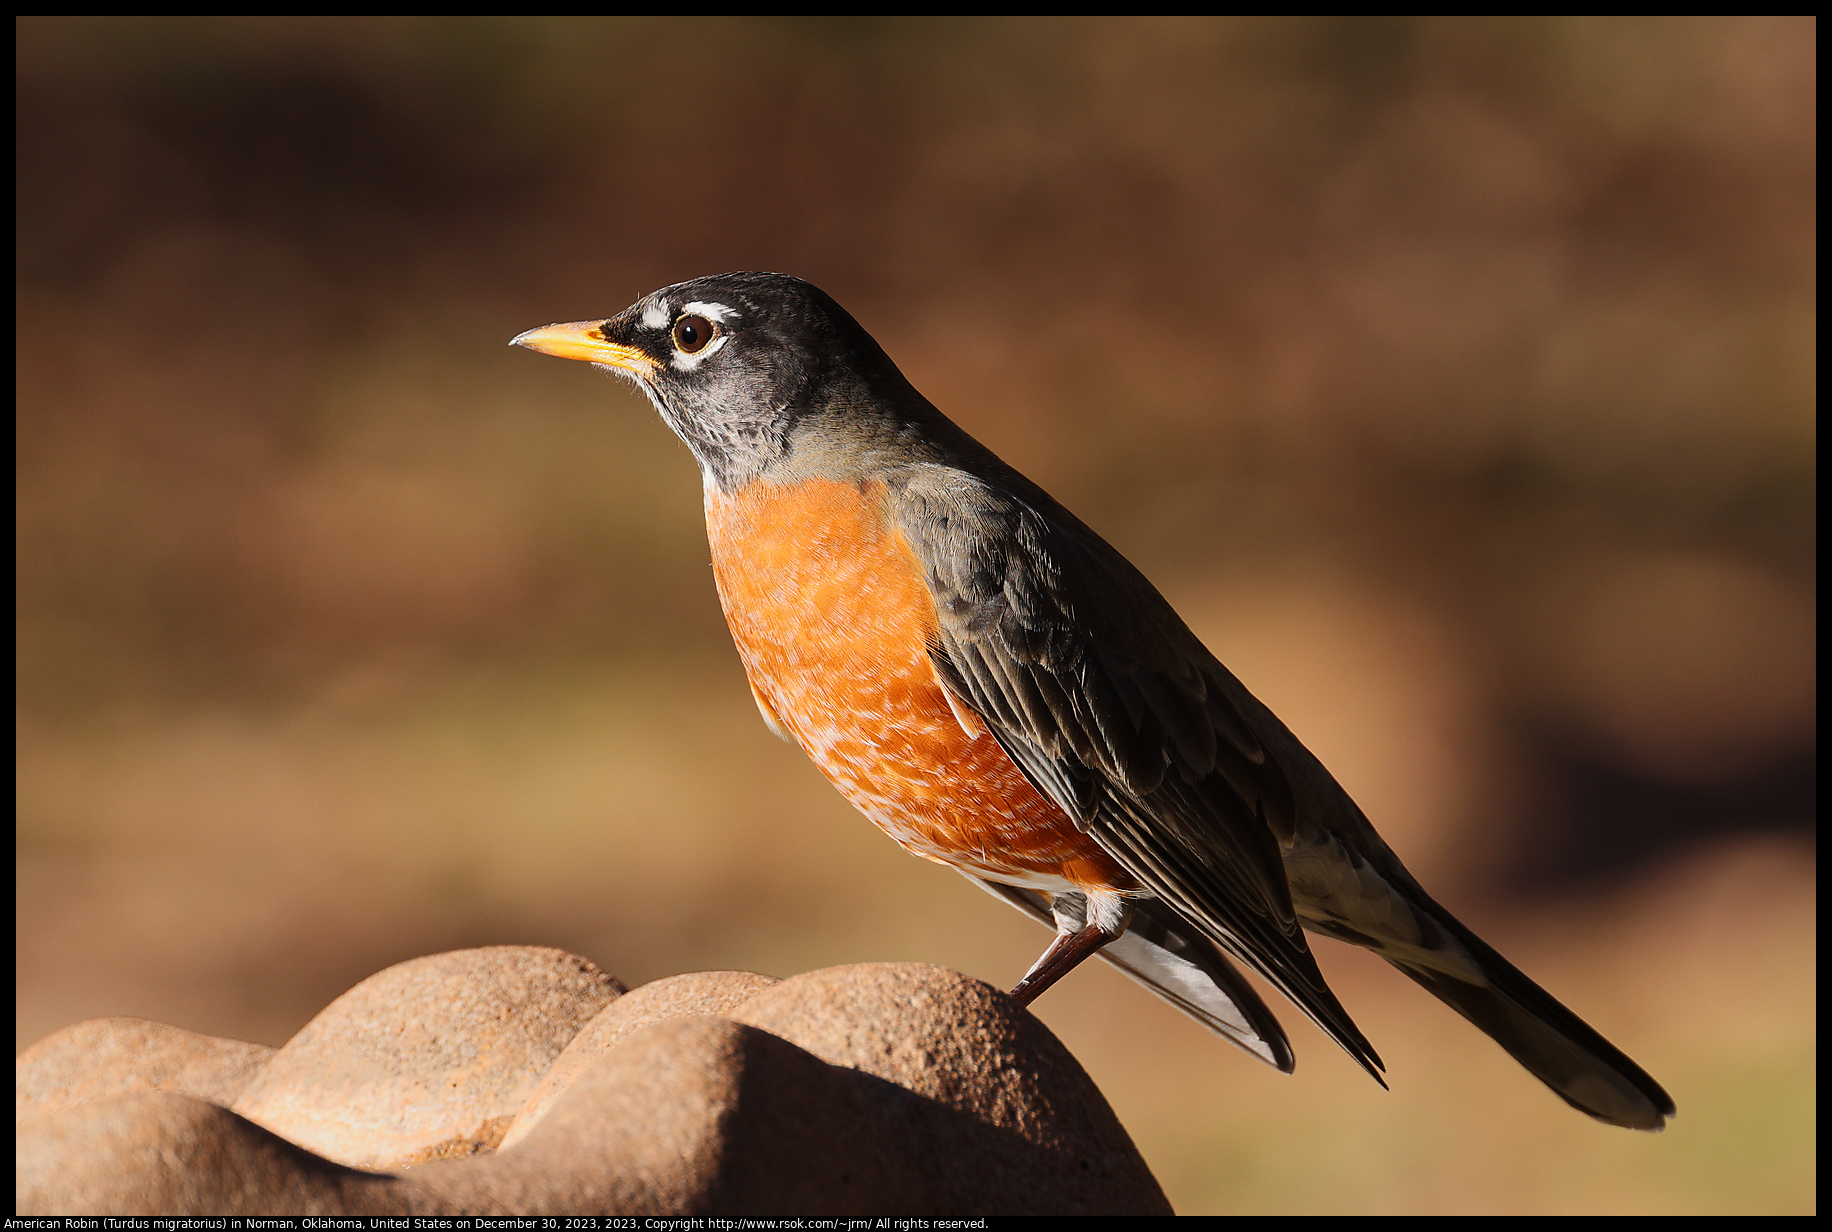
(1111, 706)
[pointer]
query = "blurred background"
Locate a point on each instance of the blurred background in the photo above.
(1454, 378)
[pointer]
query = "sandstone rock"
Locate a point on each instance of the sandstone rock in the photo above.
(429, 1059)
(706, 1116)
(859, 1091)
(1023, 1117)
(162, 1153)
(106, 1057)
(644, 1130)
(640, 1134)
(699, 992)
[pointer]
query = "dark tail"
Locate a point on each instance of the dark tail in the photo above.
(1554, 1044)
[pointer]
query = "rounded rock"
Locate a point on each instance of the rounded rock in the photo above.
(105, 1057)
(677, 996)
(429, 1059)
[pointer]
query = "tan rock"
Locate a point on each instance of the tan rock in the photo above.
(106, 1057)
(1022, 1118)
(698, 992)
(163, 1153)
(429, 1059)
(643, 1130)
(909, 1090)
(641, 1133)
(706, 1116)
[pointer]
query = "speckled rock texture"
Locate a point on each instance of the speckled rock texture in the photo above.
(520, 1080)
(701, 992)
(109, 1057)
(430, 1059)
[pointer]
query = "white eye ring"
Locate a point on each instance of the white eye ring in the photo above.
(682, 361)
(718, 317)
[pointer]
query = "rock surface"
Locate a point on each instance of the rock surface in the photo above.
(882, 1089)
(700, 992)
(107, 1057)
(429, 1059)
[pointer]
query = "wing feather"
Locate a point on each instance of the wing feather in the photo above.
(1114, 710)
(1181, 965)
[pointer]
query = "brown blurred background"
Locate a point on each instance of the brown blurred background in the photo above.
(1454, 378)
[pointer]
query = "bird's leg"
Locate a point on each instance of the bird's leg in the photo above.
(1082, 928)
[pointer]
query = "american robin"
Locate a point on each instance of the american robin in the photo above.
(1001, 691)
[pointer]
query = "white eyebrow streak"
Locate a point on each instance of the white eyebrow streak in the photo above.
(712, 312)
(655, 316)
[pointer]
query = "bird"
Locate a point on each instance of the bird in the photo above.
(1002, 692)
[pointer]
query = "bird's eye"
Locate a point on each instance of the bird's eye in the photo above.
(692, 333)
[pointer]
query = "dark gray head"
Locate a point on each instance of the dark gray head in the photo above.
(743, 366)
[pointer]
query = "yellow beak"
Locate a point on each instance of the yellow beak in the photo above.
(585, 340)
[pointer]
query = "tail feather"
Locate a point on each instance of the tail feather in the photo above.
(1554, 1044)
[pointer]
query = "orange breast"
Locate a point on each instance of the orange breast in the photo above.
(826, 602)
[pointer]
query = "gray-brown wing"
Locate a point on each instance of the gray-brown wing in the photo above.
(1112, 707)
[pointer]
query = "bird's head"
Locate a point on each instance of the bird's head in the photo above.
(741, 365)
